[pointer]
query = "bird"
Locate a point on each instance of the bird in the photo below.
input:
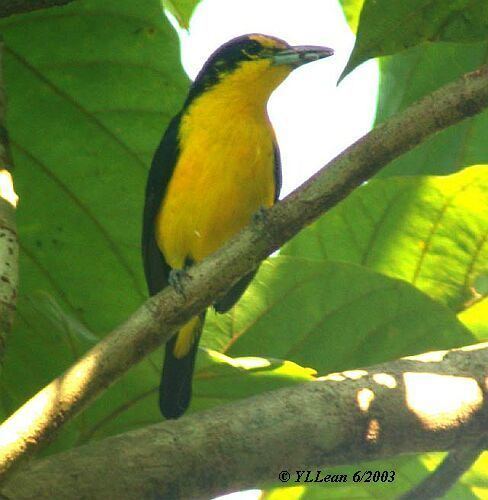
(217, 165)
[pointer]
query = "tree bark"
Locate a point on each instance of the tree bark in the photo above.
(431, 402)
(9, 248)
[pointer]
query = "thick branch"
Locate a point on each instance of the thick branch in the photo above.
(8, 234)
(433, 402)
(11, 7)
(153, 323)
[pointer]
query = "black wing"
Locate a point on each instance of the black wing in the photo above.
(235, 293)
(277, 171)
(156, 268)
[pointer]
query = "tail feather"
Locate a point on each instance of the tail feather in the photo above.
(176, 380)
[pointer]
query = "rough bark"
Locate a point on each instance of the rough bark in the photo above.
(8, 235)
(432, 402)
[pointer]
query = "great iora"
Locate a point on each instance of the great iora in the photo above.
(218, 163)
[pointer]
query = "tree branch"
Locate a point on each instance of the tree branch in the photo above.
(432, 402)
(437, 484)
(9, 249)
(11, 7)
(154, 322)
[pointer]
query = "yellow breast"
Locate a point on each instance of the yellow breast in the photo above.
(224, 174)
(225, 169)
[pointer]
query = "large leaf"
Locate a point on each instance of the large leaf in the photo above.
(220, 379)
(182, 10)
(91, 87)
(414, 73)
(475, 318)
(477, 477)
(429, 231)
(390, 26)
(331, 316)
(352, 10)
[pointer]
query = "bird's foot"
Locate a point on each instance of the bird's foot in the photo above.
(261, 216)
(176, 278)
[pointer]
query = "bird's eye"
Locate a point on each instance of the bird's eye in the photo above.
(252, 49)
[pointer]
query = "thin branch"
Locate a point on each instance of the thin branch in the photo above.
(155, 321)
(432, 402)
(11, 7)
(9, 248)
(437, 484)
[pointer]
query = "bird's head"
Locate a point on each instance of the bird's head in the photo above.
(253, 65)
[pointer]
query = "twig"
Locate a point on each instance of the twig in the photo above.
(457, 462)
(154, 322)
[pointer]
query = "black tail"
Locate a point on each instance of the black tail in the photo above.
(176, 380)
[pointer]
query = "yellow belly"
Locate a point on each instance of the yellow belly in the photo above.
(221, 179)
(224, 172)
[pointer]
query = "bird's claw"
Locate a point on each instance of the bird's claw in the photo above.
(175, 279)
(261, 216)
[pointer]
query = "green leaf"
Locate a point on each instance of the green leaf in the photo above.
(331, 316)
(476, 478)
(390, 26)
(407, 77)
(352, 10)
(429, 231)
(475, 318)
(182, 10)
(91, 87)
(334, 313)
(469, 482)
(220, 379)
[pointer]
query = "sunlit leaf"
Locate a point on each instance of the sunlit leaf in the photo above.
(475, 318)
(429, 231)
(331, 316)
(352, 10)
(182, 10)
(407, 77)
(223, 379)
(476, 478)
(390, 26)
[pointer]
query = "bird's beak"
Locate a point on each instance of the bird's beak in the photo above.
(301, 54)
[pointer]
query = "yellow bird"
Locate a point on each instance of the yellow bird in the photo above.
(217, 164)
